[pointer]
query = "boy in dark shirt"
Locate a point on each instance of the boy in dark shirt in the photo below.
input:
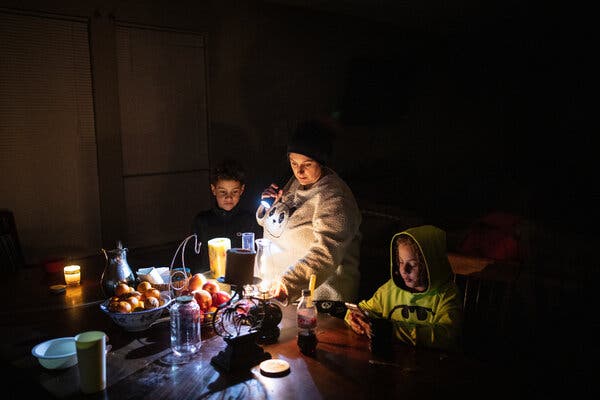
(225, 218)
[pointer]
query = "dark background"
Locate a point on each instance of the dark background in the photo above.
(449, 110)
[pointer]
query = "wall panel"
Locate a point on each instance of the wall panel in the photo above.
(48, 165)
(163, 103)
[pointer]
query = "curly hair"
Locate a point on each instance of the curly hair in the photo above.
(228, 170)
(408, 241)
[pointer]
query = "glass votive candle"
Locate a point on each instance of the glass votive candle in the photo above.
(72, 274)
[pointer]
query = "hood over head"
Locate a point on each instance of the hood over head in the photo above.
(432, 243)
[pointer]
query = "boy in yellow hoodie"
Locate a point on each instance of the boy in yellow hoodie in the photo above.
(421, 299)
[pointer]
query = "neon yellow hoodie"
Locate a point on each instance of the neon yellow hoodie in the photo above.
(432, 318)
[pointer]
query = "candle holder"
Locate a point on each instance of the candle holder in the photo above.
(217, 255)
(244, 325)
(72, 275)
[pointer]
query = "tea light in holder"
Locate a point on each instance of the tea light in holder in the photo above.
(72, 275)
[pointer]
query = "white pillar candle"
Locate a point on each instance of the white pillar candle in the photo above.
(72, 274)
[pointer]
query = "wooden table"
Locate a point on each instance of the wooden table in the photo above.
(342, 367)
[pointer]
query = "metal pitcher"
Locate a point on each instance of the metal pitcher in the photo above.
(116, 270)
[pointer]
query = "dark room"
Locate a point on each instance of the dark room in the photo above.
(138, 138)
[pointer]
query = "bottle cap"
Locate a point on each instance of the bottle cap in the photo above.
(184, 299)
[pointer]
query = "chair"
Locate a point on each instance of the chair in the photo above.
(377, 229)
(488, 295)
(11, 256)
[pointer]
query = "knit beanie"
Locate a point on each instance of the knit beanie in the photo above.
(312, 139)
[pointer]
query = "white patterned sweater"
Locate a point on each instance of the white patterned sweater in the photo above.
(315, 230)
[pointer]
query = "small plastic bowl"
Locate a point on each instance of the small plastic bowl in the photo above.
(56, 353)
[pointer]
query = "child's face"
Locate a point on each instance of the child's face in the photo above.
(227, 193)
(410, 269)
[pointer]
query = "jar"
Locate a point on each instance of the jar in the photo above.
(185, 326)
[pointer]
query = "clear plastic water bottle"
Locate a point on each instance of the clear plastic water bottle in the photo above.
(307, 324)
(185, 326)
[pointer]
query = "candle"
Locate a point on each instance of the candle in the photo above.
(72, 274)
(217, 255)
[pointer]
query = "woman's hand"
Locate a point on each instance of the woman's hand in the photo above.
(359, 323)
(272, 191)
(279, 292)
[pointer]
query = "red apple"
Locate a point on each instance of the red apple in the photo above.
(203, 298)
(220, 297)
(211, 286)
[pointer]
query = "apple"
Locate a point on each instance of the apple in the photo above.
(196, 281)
(220, 297)
(211, 286)
(203, 298)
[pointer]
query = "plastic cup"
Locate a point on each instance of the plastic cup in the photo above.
(381, 338)
(248, 241)
(91, 356)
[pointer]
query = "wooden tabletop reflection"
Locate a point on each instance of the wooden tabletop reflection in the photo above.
(139, 367)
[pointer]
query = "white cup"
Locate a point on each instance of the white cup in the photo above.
(91, 360)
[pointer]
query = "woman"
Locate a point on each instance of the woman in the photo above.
(314, 222)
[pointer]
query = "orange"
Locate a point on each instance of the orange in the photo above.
(113, 306)
(134, 301)
(121, 288)
(151, 302)
(152, 293)
(124, 307)
(143, 286)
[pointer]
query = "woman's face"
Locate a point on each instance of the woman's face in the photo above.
(411, 271)
(306, 170)
(227, 193)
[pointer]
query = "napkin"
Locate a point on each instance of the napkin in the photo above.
(151, 275)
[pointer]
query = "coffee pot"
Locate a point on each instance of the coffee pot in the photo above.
(116, 270)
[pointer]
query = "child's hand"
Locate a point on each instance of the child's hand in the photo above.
(359, 324)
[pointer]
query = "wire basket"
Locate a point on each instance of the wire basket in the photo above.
(179, 277)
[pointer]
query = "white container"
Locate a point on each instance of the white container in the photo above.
(56, 353)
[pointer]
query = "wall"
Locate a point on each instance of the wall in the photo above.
(479, 93)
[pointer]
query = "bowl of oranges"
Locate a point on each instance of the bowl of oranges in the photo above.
(136, 309)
